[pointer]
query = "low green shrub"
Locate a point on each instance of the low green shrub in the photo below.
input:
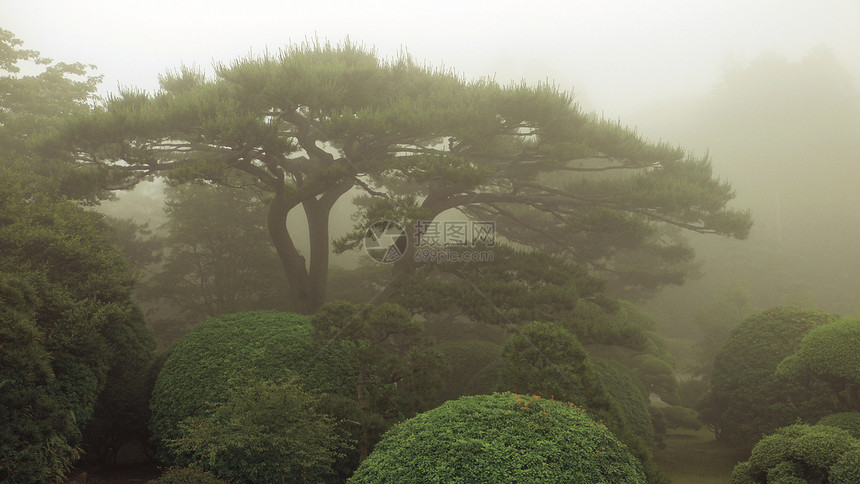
(681, 418)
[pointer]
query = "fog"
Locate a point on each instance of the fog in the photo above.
(618, 56)
(786, 133)
(768, 88)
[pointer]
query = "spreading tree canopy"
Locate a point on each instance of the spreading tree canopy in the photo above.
(316, 121)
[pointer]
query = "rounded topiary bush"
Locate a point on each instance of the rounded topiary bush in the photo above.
(205, 366)
(747, 400)
(501, 437)
(800, 453)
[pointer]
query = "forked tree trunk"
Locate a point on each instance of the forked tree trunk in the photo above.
(306, 279)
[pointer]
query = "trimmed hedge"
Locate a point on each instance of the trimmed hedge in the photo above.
(800, 453)
(501, 437)
(632, 400)
(847, 468)
(681, 418)
(203, 367)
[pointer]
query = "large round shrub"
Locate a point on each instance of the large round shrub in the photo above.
(205, 366)
(747, 400)
(799, 453)
(502, 437)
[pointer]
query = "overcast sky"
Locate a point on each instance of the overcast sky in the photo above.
(617, 56)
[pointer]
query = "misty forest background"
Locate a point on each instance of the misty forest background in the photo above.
(647, 338)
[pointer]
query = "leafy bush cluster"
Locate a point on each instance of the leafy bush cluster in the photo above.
(632, 401)
(223, 357)
(678, 417)
(802, 453)
(544, 358)
(263, 432)
(73, 346)
(747, 398)
(828, 355)
(501, 437)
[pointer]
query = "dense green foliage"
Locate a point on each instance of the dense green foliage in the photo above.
(71, 334)
(396, 366)
(263, 432)
(500, 438)
(658, 376)
(632, 400)
(545, 359)
(829, 354)
(849, 421)
(31, 106)
(847, 468)
(205, 366)
(678, 417)
(521, 286)
(747, 400)
(800, 453)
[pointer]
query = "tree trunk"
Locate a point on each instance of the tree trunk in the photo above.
(299, 288)
(306, 280)
(318, 216)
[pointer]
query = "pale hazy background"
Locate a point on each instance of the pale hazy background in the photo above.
(618, 56)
